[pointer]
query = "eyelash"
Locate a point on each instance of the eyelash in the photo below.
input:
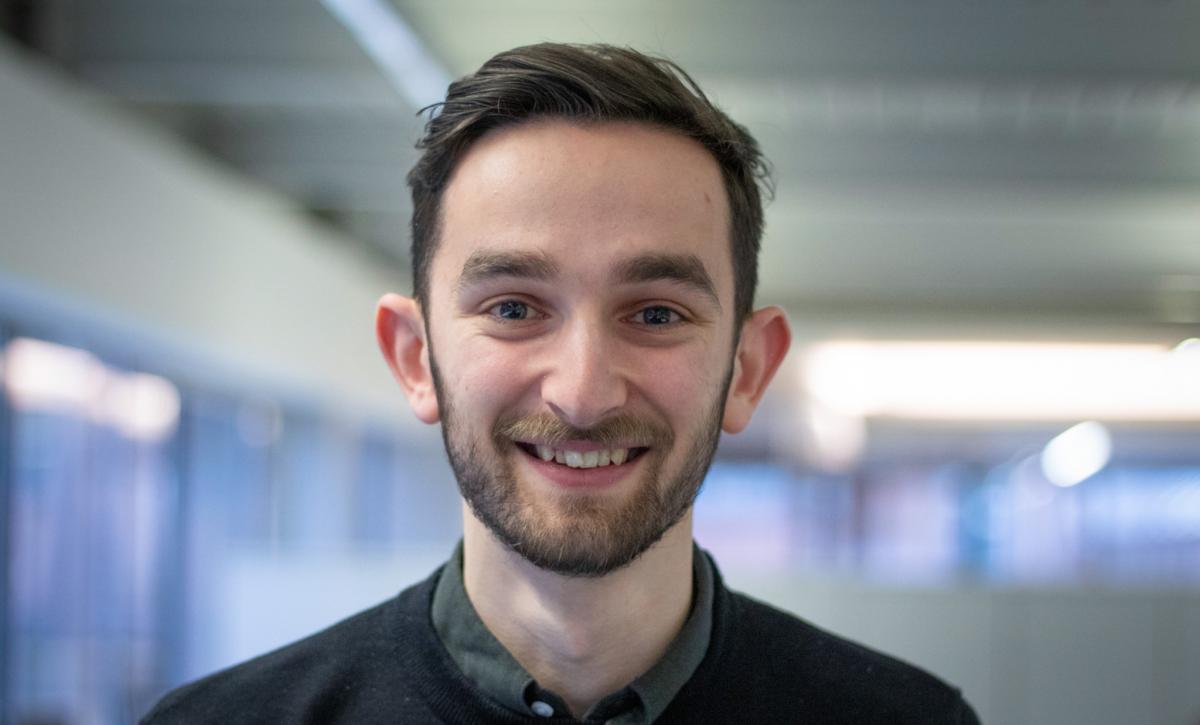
(679, 319)
(494, 313)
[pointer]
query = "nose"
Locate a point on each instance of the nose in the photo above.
(584, 383)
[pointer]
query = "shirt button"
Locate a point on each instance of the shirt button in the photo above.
(542, 709)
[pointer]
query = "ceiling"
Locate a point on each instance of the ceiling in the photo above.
(962, 166)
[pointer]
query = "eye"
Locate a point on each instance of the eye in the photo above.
(511, 310)
(657, 316)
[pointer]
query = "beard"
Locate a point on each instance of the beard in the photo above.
(577, 534)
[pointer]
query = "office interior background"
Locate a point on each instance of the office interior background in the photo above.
(982, 455)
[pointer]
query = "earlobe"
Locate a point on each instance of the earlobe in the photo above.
(400, 330)
(764, 343)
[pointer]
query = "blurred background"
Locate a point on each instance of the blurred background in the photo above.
(983, 454)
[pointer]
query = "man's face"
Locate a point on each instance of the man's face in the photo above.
(581, 311)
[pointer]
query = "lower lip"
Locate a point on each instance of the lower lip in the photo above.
(580, 478)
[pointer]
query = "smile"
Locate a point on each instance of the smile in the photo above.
(582, 459)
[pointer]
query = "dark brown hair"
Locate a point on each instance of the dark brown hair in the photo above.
(587, 83)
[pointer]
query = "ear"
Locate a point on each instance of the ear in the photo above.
(400, 329)
(765, 340)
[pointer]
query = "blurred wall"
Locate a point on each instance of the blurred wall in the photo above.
(1045, 656)
(97, 211)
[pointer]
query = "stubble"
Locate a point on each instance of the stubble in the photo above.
(577, 534)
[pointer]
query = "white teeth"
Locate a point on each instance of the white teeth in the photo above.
(582, 459)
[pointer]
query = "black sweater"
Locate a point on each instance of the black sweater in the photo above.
(387, 665)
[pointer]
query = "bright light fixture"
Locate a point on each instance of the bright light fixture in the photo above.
(1076, 454)
(141, 406)
(40, 375)
(1190, 346)
(834, 442)
(394, 47)
(1003, 380)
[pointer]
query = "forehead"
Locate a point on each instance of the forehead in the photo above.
(585, 195)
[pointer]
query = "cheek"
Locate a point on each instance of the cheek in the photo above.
(679, 381)
(477, 372)
(490, 376)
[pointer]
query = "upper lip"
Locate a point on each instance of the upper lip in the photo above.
(581, 446)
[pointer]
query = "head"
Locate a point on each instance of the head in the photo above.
(586, 228)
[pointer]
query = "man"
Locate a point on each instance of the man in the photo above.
(586, 229)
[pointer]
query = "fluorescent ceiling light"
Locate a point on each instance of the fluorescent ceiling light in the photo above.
(1004, 380)
(395, 47)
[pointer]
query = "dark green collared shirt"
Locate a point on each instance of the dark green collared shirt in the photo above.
(497, 673)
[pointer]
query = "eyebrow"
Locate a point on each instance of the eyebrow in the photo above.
(487, 264)
(686, 269)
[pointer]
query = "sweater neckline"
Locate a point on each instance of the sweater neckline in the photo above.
(455, 699)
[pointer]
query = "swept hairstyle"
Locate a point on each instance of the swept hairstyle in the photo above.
(587, 83)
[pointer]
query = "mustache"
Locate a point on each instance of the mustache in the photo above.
(545, 427)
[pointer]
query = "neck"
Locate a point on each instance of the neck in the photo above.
(582, 638)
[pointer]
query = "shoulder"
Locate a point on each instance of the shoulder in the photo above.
(792, 663)
(317, 679)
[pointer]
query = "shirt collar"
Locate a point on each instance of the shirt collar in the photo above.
(497, 673)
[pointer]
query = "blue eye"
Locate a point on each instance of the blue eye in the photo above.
(511, 310)
(658, 316)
